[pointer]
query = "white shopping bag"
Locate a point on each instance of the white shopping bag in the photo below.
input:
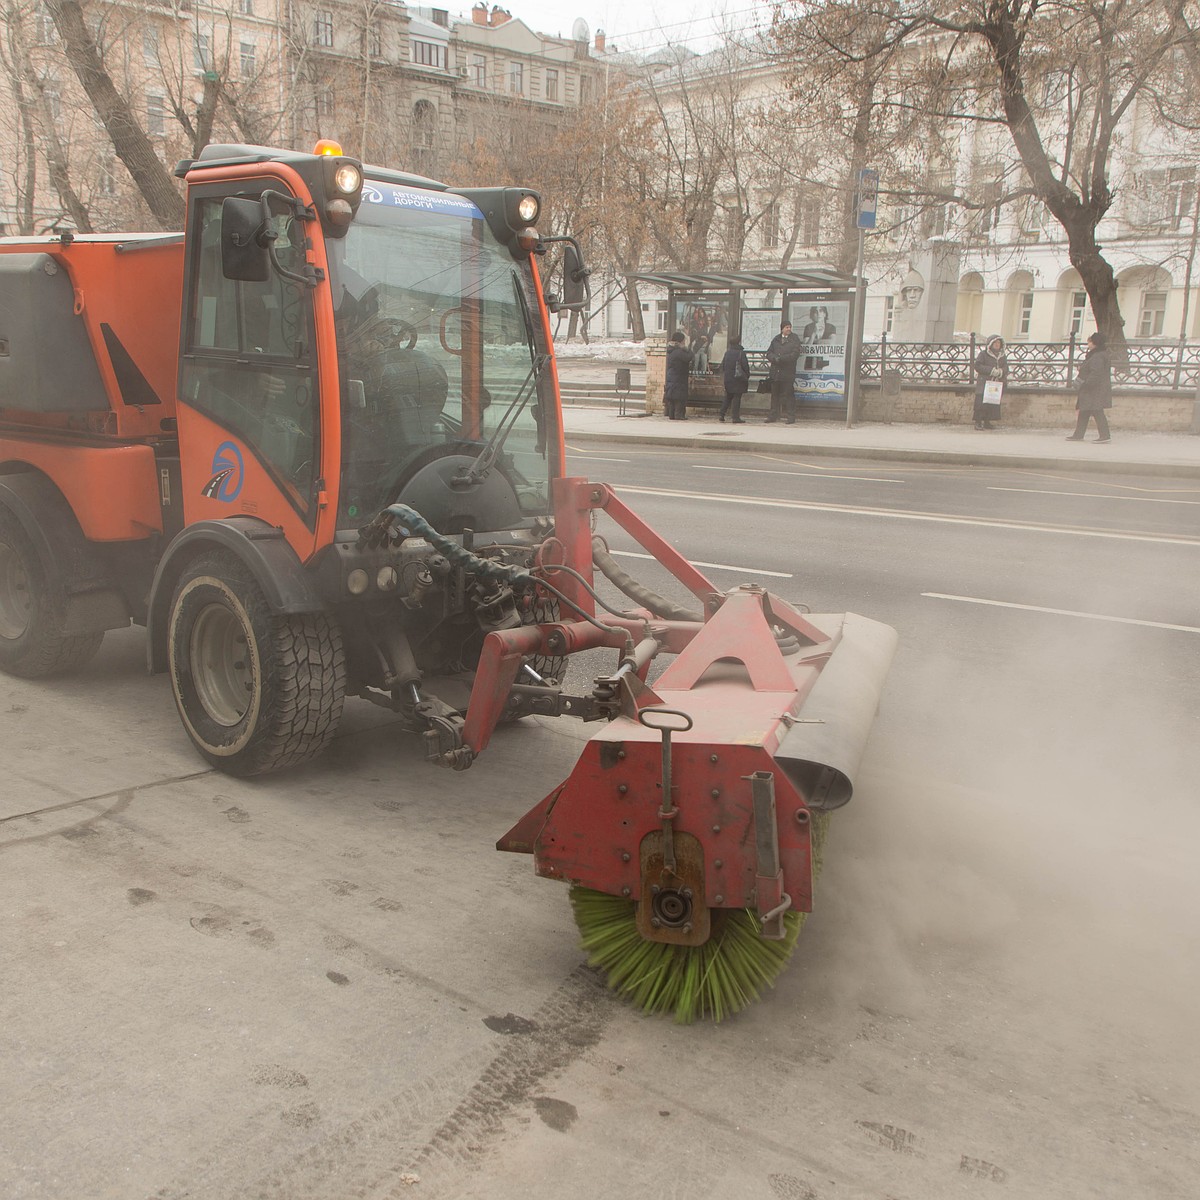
(993, 389)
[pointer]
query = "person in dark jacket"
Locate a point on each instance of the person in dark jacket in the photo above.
(679, 363)
(1095, 389)
(735, 367)
(782, 355)
(991, 365)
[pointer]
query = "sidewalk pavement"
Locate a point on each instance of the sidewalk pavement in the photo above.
(1175, 454)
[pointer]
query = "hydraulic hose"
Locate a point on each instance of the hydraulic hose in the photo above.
(660, 606)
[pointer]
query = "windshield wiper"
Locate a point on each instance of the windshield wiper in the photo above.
(486, 458)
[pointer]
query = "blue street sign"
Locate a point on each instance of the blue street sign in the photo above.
(867, 198)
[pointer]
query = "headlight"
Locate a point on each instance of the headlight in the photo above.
(356, 581)
(387, 579)
(527, 209)
(347, 178)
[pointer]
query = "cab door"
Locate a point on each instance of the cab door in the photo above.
(249, 386)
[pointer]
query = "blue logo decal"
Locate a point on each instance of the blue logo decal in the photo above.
(228, 474)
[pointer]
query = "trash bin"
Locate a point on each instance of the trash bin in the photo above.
(623, 384)
(889, 394)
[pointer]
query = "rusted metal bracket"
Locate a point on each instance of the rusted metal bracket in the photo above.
(770, 898)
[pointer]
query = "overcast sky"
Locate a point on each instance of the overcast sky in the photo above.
(636, 24)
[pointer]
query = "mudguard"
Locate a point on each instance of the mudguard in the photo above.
(287, 587)
(94, 604)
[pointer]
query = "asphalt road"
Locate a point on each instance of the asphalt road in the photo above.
(327, 984)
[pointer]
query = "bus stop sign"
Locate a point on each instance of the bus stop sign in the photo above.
(867, 198)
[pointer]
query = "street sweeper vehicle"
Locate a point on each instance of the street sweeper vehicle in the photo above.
(314, 445)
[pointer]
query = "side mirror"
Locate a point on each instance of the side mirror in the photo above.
(575, 276)
(243, 252)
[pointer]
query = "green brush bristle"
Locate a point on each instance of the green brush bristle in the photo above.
(715, 980)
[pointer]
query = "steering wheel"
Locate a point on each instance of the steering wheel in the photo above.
(395, 334)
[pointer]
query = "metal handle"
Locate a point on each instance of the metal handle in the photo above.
(667, 811)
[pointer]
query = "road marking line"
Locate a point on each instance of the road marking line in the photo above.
(1125, 487)
(1093, 495)
(596, 457)
(798, 474)
(1062, 612)
(898, 515)
(711, 566)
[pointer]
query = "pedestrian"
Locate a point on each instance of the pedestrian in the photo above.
(679, 363)
(1094, 382)
(782, 356)
(991, 368)
(735, 367)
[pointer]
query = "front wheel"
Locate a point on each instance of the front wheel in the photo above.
(255, 691)
(33, 613)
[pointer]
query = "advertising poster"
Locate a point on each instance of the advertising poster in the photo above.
(705, 323)
(823, 327)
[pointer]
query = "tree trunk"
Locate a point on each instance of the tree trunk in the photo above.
(129, 139)
(1101, 284)
(633, 304)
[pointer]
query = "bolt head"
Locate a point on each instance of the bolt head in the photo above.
(712, 758)
(720, 862)
(718, 899)
(625, 856)
(687, 893)
(623, 788)
(715, 793)
(656, 922)
(802, 816)
(654, 889)
(716, 829)
(625, 891)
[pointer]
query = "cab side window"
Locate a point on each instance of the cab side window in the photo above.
(249, 363)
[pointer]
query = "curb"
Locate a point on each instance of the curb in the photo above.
(1104, 466)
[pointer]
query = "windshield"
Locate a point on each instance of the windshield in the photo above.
(439, 358)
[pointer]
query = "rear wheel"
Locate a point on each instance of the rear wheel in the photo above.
(33, 613)
(255, 691)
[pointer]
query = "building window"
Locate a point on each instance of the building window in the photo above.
(441, 16)
(375, 38)
(479, 65)
(156, 122)
(810, 221)
(429, 54)
(325, 102)
(516, 78)
(1024, 314)
(150, 47)
(424, 133)
(323, 28)
(889, 314)
(1078, 312)
(585, 89)
(551, 84)
(1154, 311)
(45, 31)
(53, 101)
(247, 57)
(246, 7)
(108, 179)
(770, 225)
(201, 52)
(662, 316)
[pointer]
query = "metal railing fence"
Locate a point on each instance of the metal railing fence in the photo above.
(1174, 366)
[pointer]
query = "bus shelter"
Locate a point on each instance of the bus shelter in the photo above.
(710, 307)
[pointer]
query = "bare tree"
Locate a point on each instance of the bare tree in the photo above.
(128, 136)
(1060, 78)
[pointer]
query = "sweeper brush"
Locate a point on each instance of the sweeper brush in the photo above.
(715, 980)
(691, 826)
